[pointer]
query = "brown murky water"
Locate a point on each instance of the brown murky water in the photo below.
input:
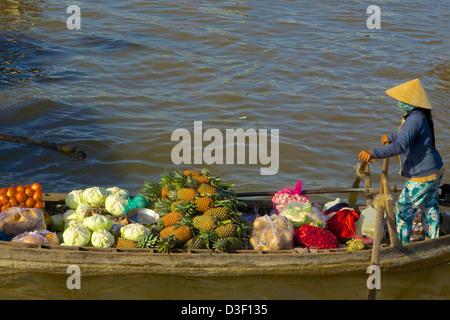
(138, 70)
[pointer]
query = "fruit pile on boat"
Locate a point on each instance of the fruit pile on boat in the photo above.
(197, 211)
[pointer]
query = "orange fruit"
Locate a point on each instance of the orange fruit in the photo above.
(21, 196)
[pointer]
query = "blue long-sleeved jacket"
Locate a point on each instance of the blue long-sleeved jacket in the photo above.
(414, 143)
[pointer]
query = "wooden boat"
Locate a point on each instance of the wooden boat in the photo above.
(19, 257)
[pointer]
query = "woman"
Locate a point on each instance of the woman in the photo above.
(420, 162)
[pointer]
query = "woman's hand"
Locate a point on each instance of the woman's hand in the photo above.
(365, 156)
(384, 140)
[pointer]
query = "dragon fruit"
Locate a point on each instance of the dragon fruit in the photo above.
(315, 237)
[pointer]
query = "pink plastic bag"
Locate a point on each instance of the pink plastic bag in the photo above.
(288, 194)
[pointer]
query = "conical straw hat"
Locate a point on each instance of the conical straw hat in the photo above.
(412, 93)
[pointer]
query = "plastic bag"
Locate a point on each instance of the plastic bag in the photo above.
(272, 233)
(300, 214)
(288, 194)
(136, 202)
(315, 237)
(14, 220)
(37, 237)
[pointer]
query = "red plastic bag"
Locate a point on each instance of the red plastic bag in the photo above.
(342, 223)
(315, 237)
(288, 194)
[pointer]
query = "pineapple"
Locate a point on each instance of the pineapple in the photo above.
(207, 189)
(186, 194)
(220, 213)
(183, 234)
(167, 231)
(204, 223)
(125, 243)
(226, 230)
(202, 179)
(171, 219)
(197, 242)
(165, 192)
(192, 173)
(203, 203)
(230, 243)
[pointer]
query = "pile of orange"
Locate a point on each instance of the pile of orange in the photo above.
(29, 196)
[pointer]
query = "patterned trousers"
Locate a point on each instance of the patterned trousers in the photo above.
(422, 198)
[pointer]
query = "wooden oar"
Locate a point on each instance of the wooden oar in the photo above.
(371, 293)
(352, 198)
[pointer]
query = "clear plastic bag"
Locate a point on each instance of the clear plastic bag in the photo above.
(14, 220)
(272, 233)
(299, 214)
(37, 237)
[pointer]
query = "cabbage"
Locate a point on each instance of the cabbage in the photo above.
(74, 198)
(95, 195)
(116, 190)
(57, 223)
(115, 204)
(76, 234)
(102, 239)
(97, 222)
(70, 215)
(135, 232)
(84, 210)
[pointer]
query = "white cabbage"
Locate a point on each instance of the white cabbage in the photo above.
(74, 198)
(115, 204)
(95, 195)
(57, 223)
(97, 222)
(102, 239)
(76, 234)
(135, 232)
(83, 210)
(69, 215)
(116, 190)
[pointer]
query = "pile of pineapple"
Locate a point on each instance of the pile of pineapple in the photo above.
(197, 212)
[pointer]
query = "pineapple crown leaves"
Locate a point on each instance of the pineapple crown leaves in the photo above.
(186, 207)
(149, 242)
(184, 221)
(151, 190)
(167, 244)
(209, 237)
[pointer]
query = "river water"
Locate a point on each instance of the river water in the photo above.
(137, 71)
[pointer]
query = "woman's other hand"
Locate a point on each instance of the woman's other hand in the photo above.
(365, 156)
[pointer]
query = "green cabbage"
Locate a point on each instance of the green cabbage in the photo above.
(83, 210)
(135, 232)
(74, 198)
(116, 190)
(76, 234)
(97, 222)
(115, 204)
(102, 239)
(57, 223)
(69, 215)
(95, 195)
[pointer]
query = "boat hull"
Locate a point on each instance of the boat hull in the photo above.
(20, 257)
